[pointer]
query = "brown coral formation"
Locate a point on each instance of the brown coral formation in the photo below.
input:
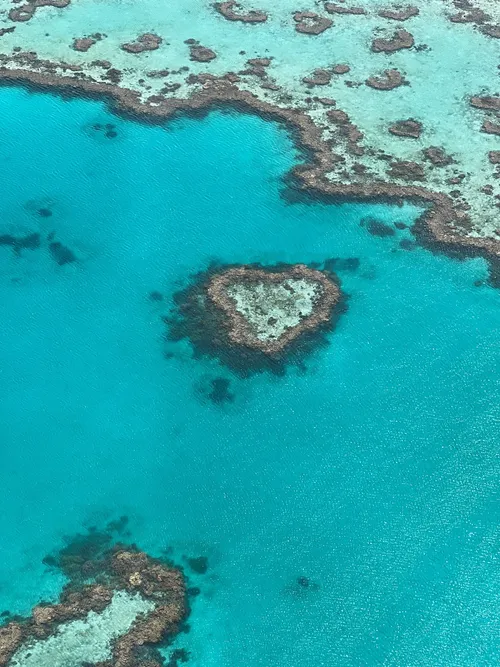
(319, 77)
(201, 54)
(83, 43)
(406, 170)
(146, 42)
(392, 79)
(399, 14)
(491, 30)
(348, 130)
(341, 69)
(489, 127)
(5, 31)
(437, 156)
(310, 23)
(27, 11)
(240, 331)
(407, 128)
(122, 569)
(402, 39)
(487, 103)
(232, 11)
(333, 8)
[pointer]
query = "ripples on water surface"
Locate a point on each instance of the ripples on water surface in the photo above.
(373, 471)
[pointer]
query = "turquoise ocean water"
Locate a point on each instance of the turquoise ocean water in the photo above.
(373, 471)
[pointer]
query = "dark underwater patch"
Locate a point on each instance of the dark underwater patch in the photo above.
(407, 244)
(44, 212)
(178, 655)
(82, 554)
(199, 565)
(216, 390)
(61, 254)
(377, 228)
(18, 243)
(105, 130)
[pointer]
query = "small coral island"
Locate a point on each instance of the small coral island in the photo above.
(253, 317)
(116, 608)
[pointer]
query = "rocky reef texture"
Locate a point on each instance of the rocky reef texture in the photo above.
(26, 11)
(233, 11)
(350, 156)
(407, 128)
(146, 42)
(267, 310)
(334, 8)
(118, 604)
(401, 39)
(311, 23)
(255, 318)
(399, 14)
(391, 79)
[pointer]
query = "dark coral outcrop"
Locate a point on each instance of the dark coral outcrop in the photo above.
(233, 11)
(310, 23)
(402, 39)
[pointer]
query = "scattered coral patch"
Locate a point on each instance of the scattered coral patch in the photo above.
(201, 54)
(146, 42)
(401, 39)
(333, 8)
(310, 23)
(489, 127)
(407, 128)
(399, 14)
(392, 79)
(319, 77)
(487, 103)
(83, 43)
(437, 156)
(27, 11)
(233, 11)
(407, 170)
(341, 69)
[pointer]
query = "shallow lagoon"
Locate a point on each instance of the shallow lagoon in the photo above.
(372, 471)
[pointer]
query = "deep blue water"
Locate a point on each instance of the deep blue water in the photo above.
(374, 471)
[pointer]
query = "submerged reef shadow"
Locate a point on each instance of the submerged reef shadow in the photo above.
(216, 390)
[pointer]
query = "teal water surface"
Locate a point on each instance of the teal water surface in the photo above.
(373, 471)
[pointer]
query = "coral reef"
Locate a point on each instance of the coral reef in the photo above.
(146, 42)
(147, 591)
(232, 11)
(310, 23)
(252, 317)
(27, 11)
(333, 8)
(407, 128)
(392, 79)
(399, 14)
(201, 54)
(83, 44)
(401, 39)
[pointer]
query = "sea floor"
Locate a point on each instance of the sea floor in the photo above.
(371, 469)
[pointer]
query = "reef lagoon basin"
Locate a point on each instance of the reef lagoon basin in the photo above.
(347, 506)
